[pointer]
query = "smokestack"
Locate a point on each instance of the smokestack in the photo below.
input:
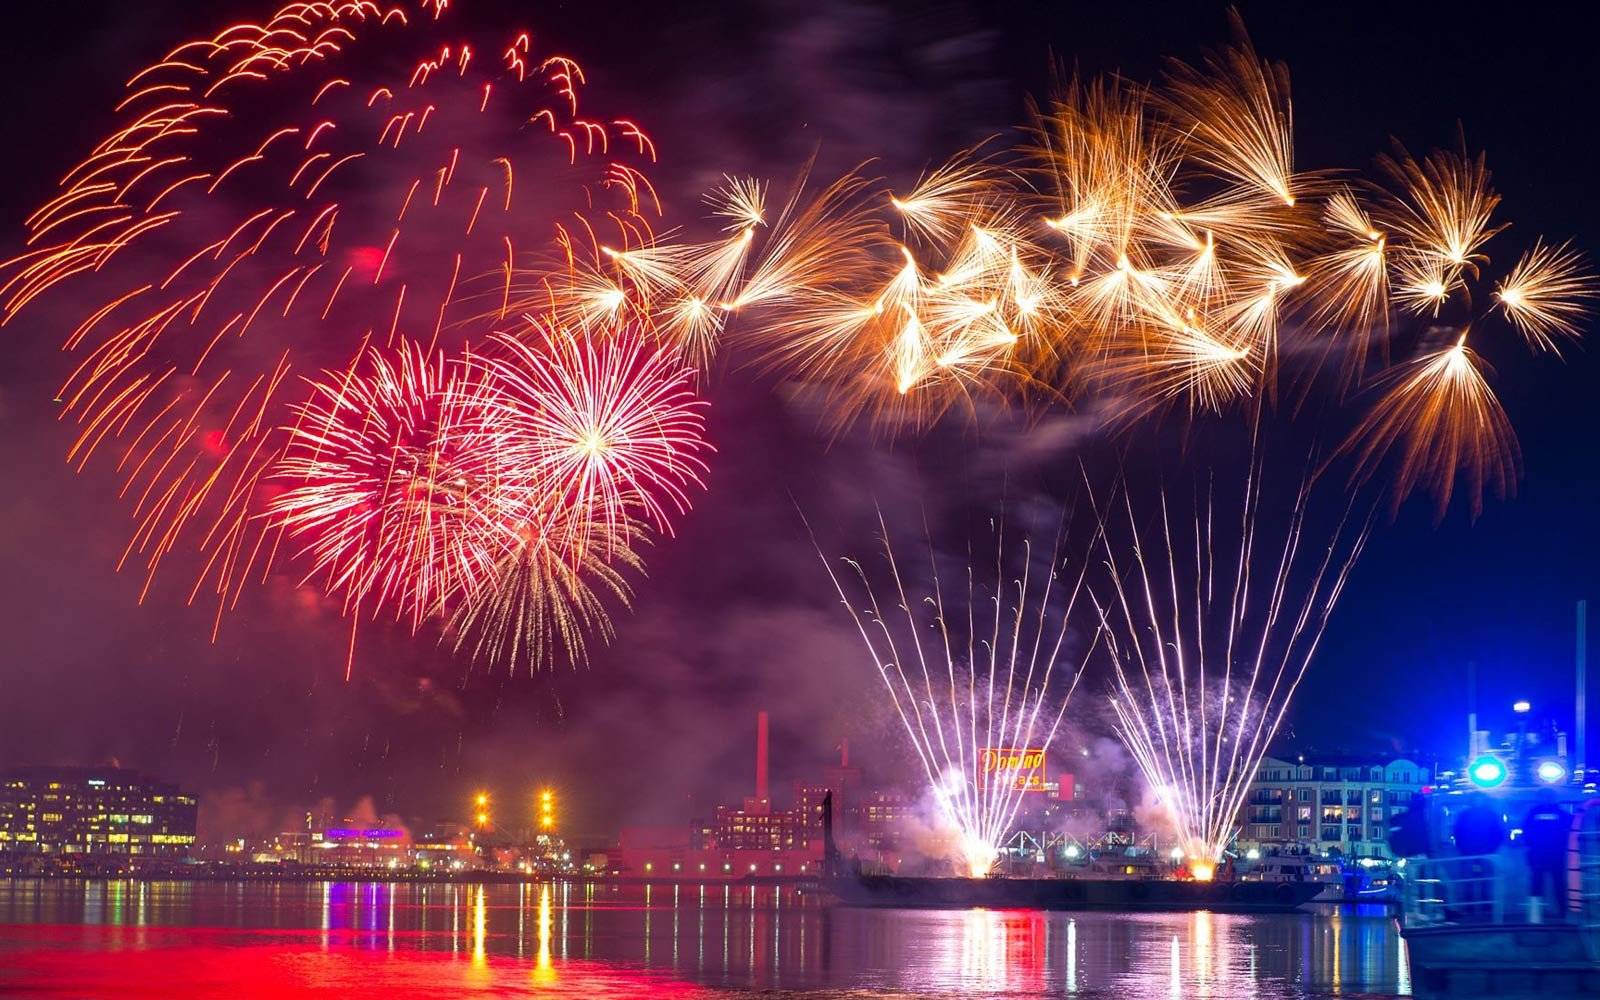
(1582, 749)
(761, 757)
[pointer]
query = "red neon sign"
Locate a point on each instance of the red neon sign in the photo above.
(1022, 768)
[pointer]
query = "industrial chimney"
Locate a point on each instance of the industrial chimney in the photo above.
(762, 795)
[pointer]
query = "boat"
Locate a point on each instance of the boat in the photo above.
(1068, 893)
(1367, 880)
(1132, 892)
(1278, 869)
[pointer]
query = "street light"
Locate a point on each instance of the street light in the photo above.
(547, 810)
(1521, 707)
(481, 815)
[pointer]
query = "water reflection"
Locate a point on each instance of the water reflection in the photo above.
(580, 940)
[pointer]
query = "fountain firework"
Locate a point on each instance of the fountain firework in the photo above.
(985, 687)
(1210, 618)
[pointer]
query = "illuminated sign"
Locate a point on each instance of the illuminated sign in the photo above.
(1023, 769)
(357, 834)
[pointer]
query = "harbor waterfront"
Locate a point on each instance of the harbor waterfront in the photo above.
(73, 938)
(772, 500)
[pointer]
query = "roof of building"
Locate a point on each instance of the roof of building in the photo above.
(79, 774)
(1344, 759)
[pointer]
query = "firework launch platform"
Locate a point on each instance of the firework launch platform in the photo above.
(1124, 895)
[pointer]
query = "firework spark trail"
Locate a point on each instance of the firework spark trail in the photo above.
(1209, 643)
(549, 593)
(1547, 295)
(1441, 419)
(987, 684)
(275, 180)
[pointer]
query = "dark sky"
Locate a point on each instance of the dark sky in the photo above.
(735, 614)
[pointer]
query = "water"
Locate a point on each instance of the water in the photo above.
(354, 940)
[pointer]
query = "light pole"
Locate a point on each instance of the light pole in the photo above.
(547, 811)
(1521, 707)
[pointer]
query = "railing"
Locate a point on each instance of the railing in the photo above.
(1587, 847)
(1464, 890)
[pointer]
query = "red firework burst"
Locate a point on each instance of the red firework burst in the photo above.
(400, 498)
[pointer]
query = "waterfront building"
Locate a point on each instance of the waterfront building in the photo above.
(1337, 805)
(880, 822)
(93, 810)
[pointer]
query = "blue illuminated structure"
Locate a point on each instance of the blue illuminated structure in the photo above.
(344, 833)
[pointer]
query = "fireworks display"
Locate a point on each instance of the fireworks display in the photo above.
(1156, 246)
(1150, 246)
(277, 201)
(367, 294)
(988, 684)
(501, 489)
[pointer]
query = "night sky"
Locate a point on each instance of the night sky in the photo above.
(736, 613)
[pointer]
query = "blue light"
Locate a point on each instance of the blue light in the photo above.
(1551, 772)
(1487, 772)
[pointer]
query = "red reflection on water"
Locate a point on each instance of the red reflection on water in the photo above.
(1002, 950)
(164, 963)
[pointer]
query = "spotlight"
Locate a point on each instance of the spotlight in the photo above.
(1551, 772)
(1487, 772)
